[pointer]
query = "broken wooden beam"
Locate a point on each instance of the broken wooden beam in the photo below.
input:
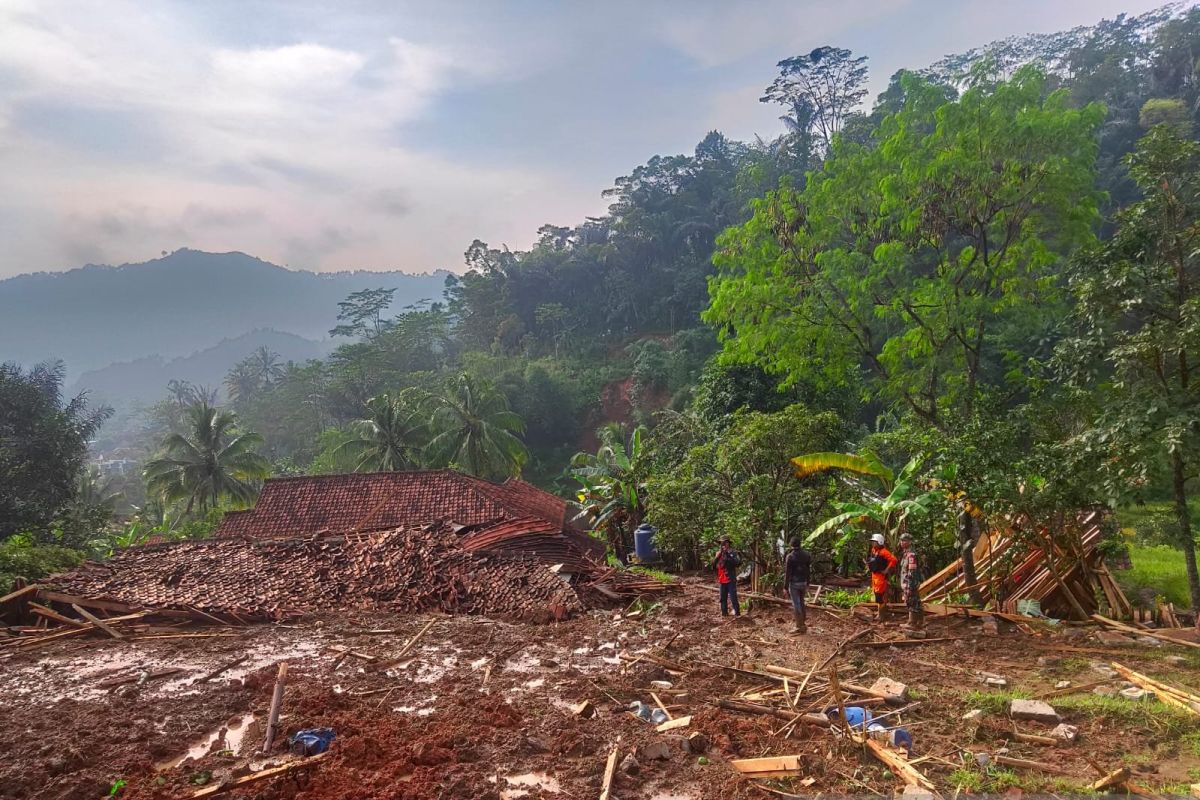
(346, 651)
(109, 683)
(70, 599)
(899, 767)
(224, 667)
(752, 708)
(670, 725)
(1111, 780)
(99, 623)
(50, 613)
(273, 772)
(610, 770)
(769, 767)
(276, 705)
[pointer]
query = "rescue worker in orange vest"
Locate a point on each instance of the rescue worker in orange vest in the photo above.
(881, 562)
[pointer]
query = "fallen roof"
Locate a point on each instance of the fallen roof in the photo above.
(356, 502)
(401, 570)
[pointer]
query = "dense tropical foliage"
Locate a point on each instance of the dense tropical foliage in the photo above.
(988, 276)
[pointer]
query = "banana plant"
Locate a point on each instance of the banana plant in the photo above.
(885, 508)
(611, 485)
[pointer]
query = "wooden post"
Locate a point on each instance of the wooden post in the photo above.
(610, 770)
(276, 704)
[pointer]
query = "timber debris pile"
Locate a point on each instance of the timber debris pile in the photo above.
(1064, 574)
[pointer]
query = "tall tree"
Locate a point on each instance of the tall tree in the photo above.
(925, 263)
(43, 445)
(820, 91)
(361, 313)
(210, 463)
(474, 430)
(1138, 315)
(391, 436)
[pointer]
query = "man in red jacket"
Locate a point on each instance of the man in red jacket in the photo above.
(726, 564)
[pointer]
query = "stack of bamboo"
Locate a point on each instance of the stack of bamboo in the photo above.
(1065, 573)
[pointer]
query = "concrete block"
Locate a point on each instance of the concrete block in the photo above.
(1065, 733)
(1062, 685)
(1034, 710)
(974, 715)
(893, 690)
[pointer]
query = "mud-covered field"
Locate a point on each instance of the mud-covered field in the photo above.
(483, 709)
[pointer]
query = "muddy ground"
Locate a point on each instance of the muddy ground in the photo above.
(481, 708)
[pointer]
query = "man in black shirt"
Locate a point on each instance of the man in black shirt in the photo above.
(796, 570)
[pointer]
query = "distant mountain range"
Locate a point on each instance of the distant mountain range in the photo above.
(143, 380)
(190, 305)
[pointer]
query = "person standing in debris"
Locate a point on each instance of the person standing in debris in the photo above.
(726, 564)
(910, 581)
(796, 569)
(880, 563)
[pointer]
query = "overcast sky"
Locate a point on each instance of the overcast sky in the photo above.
(389, 135)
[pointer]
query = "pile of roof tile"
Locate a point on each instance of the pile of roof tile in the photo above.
(401, 570)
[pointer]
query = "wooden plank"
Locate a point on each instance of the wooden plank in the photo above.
(670, 725)
(273, 772)
(399, 656)
(610, 770)
(337, 648)
(769, 767)
(1120, 626)
(276, 705)
(751, 708)
(8, 598)
(1112, 780)
(899, 767)
(109, 683)
(660, 705)
(70, 599)
(50, 613)
(907, 642)
(1033, 738)
(96, 620)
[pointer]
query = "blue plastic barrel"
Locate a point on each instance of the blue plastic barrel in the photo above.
(643, 544)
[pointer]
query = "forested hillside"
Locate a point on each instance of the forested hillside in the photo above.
(989, 274)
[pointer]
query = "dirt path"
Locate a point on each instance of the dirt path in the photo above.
(482, 709)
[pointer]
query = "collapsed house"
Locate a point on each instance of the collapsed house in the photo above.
(402, 541)
(1065, 575)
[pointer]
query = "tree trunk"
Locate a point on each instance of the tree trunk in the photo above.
(1186, 540)
(966, 549)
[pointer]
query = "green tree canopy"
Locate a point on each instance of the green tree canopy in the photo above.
(473, 430)
(43, 445)
(923, 262)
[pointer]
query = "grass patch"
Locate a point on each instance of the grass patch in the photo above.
(966, 779)
(1157, 570)
(1170, 722)
(651, 572)
(993, 702)
(844, 598)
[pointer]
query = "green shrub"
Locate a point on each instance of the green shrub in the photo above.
(20, 557)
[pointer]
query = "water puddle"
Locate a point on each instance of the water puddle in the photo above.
(424, 710)
(233, 731)
(519, 785)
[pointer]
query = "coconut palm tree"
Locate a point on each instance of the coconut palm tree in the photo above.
(392, 434)
(474, 431)
(265, 362)
(209, 463)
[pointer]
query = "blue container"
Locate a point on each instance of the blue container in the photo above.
(643, 544)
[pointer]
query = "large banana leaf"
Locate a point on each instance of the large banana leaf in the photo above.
(852, 512)
(819, 462)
